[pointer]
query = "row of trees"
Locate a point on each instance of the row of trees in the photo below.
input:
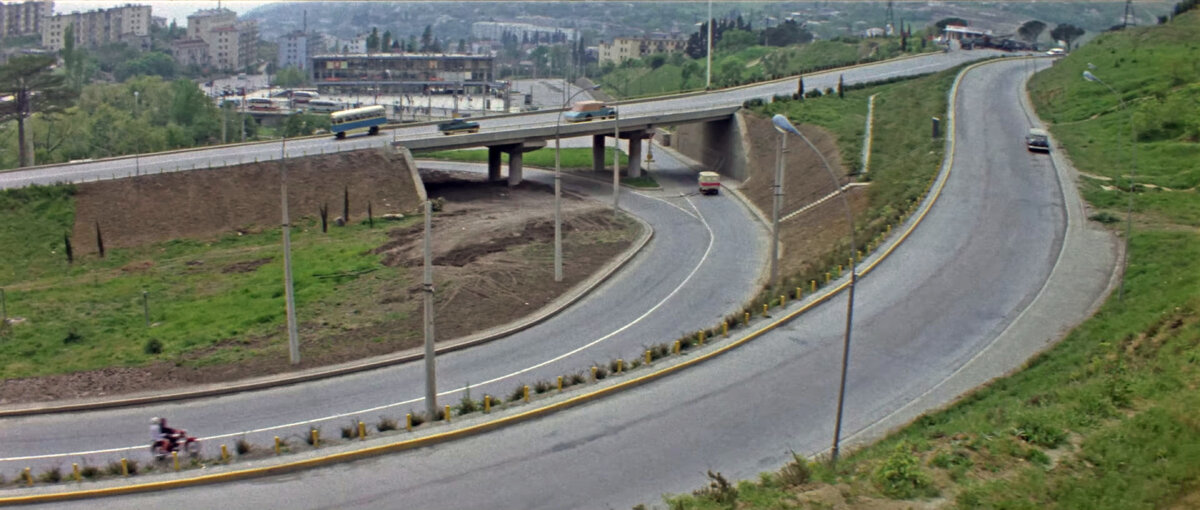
(386, 43)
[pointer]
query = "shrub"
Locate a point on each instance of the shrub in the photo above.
(73, 337)
(719, 490)
(1036, 432)
(947, 460)
(114, 467)
(153, 346)
(467, 406)
(601, 372)
(613, 366)
(518, 393)
(52, 475)
(900, 476)
(577, 378)
(349, 432)
(385, 424)
(795, 473)
(242, 446)
(417, 419)
(89, 472)
(542, 386)
(1104, 217)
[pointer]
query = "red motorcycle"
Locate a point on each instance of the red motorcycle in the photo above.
(179, 441)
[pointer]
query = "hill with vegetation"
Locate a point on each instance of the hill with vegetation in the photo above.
(1107, 418)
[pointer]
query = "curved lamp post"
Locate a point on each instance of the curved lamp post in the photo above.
(558, 274)
(784, 126)
(1087, 75)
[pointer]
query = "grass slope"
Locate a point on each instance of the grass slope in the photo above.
(1107, 418)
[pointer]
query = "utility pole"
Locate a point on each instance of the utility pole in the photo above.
(616, 160)
(293, 334)
(775, 214)
(431, 406)
(708, 53)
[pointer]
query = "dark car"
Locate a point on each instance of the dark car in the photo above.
(1037, 140)
(456, 126)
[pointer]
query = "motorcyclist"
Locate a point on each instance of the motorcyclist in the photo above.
(160, 432)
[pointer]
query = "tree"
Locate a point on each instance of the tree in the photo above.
(373, 40)
(290, 76)
(149, 64)
(841, 84)
(31, 80)
(736, 40)
(1031, 30)
(427, 42)
(1067, 33)
(386, 42)
(74, 59)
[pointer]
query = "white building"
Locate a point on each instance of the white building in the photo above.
(227, 43)
(25, 18)
(296, 48)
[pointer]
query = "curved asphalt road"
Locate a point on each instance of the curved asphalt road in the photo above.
(961, 280)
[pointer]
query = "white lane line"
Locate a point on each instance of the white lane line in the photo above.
(703, 259)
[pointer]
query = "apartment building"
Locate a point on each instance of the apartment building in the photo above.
(129, 24)
(296, 48)
(25, 18)
(625, 48)
(216, 38)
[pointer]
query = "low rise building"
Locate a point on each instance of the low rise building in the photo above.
(403, 73)
(625, 48)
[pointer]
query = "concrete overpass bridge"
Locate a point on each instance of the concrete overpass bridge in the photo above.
(516, 140)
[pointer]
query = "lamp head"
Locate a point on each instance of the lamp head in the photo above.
(783, 125)
(1087, 75)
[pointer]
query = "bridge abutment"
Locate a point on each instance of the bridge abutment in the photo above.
(494, 164)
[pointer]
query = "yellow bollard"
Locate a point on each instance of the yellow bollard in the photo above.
(799, 293)
(278, 445)
(725, 329)
(814, 285)
(889, 229)
(783, 300)
(175, 460)
(677, 347)
(526, 392)
(446, 412)
(224, 454)
(764, 310)
(594, 369)
(316, 438)
(647, 356)
(620, 365)
(860, 255)
(408, 422)
(560, 380)
(362, 431)
(75, 471)
(700, 337)
(487, 403)
(828, 277)
(839, 272)
(29, 476)
(124, 467)
(746, 319)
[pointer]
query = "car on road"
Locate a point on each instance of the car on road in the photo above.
(456, 126)
(1056, 52)
(1037, 140)
(587, 110)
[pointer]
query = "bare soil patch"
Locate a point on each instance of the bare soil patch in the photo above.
(493, 258)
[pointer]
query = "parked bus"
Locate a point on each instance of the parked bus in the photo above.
(304, 96)
(323, 106)
(367, 117)
(262, 103)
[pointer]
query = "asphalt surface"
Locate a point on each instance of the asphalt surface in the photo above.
(939, 301)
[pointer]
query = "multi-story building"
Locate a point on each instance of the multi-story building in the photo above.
(216, 38)
(403, 73)
(624, 48)
(296, 48)
(129, 24)
(25, 18)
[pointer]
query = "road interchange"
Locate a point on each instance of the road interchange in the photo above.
(750, 367)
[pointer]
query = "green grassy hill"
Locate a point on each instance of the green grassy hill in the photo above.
(1107, 419)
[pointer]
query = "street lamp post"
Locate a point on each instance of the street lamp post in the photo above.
(617, 160)
(784, 126)
(137, 154)
(1087, 75)
(708, 52)
(558, 273)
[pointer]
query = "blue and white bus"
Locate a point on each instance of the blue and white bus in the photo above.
(367, 117)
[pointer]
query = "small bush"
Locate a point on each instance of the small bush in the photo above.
(467, 406)
(518, 393)
(1104, 217)
(577, 378)
(797, 472)
(242, 446)
(542, 386)
(900, 476)
(114, 467)
(385, 424)
(613, 366)
(601, 372)
(52, 475)
(153, 346)
(637, 362)
(73, 337)
(349, 432)
(89, 472)
(417, 419)
(1041, 434)
(1037, 456)
(439, 415)
(719, 490)
(947, 460)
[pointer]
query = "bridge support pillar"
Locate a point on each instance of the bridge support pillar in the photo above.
(494, 164)
(634, 168)
(514, 167)
(598, 153)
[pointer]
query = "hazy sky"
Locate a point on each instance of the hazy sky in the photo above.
(177, 10)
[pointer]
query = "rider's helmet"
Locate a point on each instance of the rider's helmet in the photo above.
(156, 421)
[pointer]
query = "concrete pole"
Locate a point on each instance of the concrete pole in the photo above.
(558, 271)
(293, 333)
(775, 213)
(616, 161)
(431, 406)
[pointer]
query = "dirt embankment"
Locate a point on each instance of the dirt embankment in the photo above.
(207, 203)
(808, 236)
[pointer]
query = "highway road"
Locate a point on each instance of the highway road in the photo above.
(264, 151)
(940, 300)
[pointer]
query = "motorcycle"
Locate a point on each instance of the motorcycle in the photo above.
(179, 441)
